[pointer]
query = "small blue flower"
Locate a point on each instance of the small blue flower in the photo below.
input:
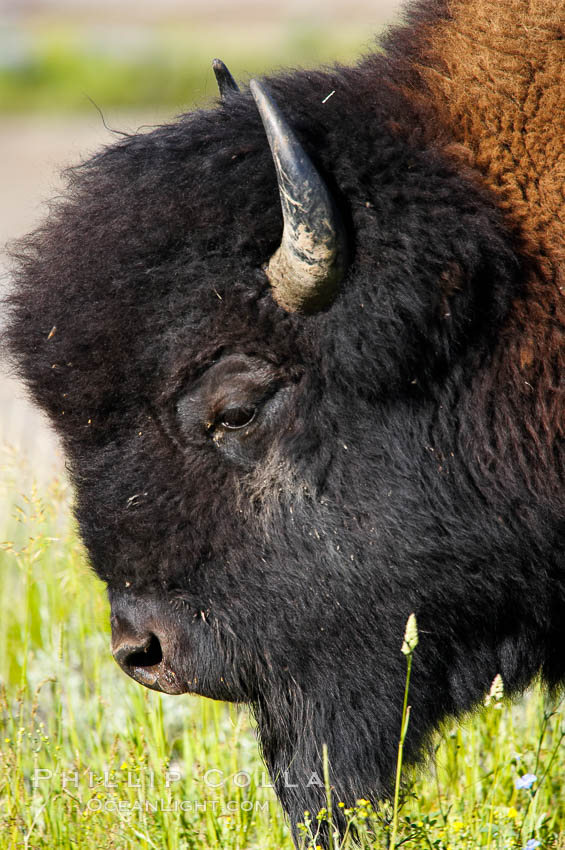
(526, 781)
(532, 844)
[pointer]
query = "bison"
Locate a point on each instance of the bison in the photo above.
(304, 351)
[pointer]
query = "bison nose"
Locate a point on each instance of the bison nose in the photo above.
(144, 653)
(145, 656)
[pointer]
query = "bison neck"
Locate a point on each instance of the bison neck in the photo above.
(491, 75)
(496, 74)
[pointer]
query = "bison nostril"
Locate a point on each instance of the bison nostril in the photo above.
(145, 654)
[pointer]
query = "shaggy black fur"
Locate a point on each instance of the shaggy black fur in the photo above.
(368, 485)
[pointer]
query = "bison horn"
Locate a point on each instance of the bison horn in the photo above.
(226, 82)
(307, 268)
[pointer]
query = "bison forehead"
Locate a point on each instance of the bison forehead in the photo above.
(153, 263)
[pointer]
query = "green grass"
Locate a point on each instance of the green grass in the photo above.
(68, 716)
(62, 67)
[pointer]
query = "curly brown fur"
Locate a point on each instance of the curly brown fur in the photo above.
(491, 76)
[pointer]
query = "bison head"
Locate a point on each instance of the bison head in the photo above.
(277, 418)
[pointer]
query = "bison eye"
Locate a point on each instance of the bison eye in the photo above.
(233, 418)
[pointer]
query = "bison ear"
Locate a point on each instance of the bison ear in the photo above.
(307, 268)
(226, 82)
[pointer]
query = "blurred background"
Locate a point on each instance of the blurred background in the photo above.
(70, 67)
